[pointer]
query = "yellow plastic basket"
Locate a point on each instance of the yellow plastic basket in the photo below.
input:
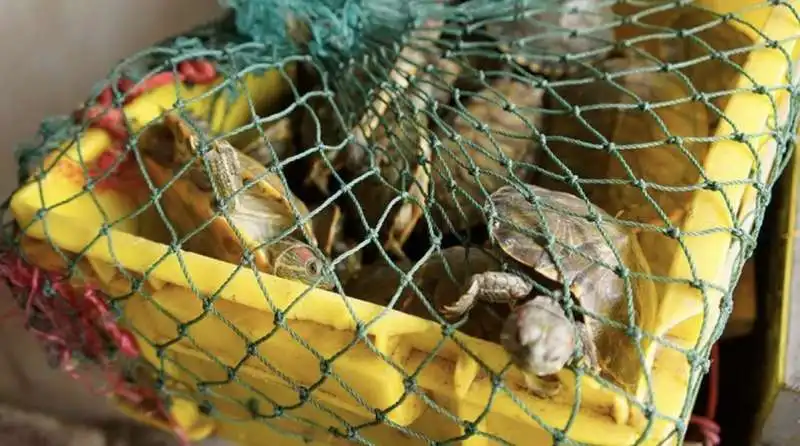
(452, 379)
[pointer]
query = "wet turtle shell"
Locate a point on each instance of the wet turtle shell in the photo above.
(488, 132)
(589, 260)
(257, 206)
(542, 38)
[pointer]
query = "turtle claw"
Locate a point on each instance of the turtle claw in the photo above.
(464, 303)
(544, 387)
(460, 307)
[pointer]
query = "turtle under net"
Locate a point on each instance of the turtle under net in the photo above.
(477, 223)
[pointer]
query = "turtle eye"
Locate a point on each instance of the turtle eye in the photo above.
(313, 267)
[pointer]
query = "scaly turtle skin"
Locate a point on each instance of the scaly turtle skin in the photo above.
(256, 204)
(538, 335)
(540, 38)
(506, 133)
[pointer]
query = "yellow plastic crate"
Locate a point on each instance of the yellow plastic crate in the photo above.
(452, 379)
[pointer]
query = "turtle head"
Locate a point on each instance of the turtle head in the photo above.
(295, 260)
(539, 337)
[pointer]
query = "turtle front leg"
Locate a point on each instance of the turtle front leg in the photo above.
(491, 287)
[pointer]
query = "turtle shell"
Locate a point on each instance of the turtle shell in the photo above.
(588, 259)
(579, 245)
(257, 206)
(488, 132)
(541, 39)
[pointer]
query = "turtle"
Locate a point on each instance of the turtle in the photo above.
(541, 38)
(488, 132)
(256, 205)
(661, 148)
(539, 335)
(330, 234)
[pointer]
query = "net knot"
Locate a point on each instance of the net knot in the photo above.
(321, 26)
(469, 428)
(206, 408)
(279, 319)
(325, 367)
(303, 394)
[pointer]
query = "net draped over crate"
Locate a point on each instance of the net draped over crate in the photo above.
(425, 222)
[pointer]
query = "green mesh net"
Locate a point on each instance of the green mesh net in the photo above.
(474, 222)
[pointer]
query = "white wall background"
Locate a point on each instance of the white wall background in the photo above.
(52, 52)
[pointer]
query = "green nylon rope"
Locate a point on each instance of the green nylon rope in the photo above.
(350, 37)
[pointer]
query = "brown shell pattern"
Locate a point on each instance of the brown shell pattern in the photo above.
(580, 245)
(643, 138)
